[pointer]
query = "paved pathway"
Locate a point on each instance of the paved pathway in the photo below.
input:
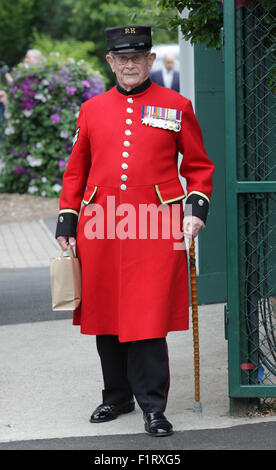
(26, 245)
(51, 378)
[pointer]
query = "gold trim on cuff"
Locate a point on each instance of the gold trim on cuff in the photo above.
(168, 200)
(91, 197)
(200, 194)
(71, 211)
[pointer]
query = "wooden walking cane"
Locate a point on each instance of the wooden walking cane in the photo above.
(197, 405)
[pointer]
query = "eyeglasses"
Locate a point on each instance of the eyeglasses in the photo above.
(123, 59)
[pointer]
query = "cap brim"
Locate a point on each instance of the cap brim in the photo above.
(132, 49)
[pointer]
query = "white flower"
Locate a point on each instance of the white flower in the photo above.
(45, 81)
(44, 179)
(28, 112)
(39, 145)
(32, 189)
(40, 97)
(56, 187)
(64, 135)
(43, 193)
(71, 60)
(34, 161)
(9, 130)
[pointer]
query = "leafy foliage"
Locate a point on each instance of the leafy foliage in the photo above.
(199, 20)
(43, 108)
(70, 49)
(201, 23)
(16, 22)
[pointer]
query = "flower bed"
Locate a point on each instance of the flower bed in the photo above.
(44, 103)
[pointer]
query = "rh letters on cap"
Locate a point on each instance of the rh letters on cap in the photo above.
(130, 31)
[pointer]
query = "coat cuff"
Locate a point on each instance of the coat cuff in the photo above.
(200, 204)
(67, 223)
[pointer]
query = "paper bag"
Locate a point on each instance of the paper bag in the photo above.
(65, 274)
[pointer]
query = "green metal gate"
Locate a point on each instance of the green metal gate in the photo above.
(250, 95)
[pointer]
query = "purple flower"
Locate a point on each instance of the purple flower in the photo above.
(61, 163)
(14, 89)
(88, 94)
(86, 83)
(55, 118)
(71, 91)
(20, 170)
(27, 103)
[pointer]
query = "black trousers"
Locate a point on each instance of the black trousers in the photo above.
(139, 368)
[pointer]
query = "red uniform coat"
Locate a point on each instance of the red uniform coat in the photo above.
(134, 282)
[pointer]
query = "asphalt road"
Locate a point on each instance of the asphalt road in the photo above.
(26, 296)
(261, 436)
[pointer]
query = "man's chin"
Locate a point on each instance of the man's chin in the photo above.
(132, 81)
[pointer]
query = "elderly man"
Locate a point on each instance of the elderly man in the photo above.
(123, 167)
(167, 76)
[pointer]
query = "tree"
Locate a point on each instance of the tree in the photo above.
(203, 20)
(90, 18)
(16, 20)
(31, 23)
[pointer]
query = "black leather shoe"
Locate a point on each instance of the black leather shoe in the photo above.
(156, 424)
(108, 412)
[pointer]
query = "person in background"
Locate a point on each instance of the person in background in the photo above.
(33, 57)
(167, 76)
(3, 105)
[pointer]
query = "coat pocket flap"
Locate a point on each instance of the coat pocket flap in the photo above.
(170, 191)
(89, 194)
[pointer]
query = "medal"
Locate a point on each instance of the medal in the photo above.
(163, 118)
(177, 127)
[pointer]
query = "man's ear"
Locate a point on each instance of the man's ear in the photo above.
(151, 58)
(110, 60)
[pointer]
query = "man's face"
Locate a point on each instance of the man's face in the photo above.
(131, 69)
(169, 62)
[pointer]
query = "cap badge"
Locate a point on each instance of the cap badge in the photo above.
(130, 31)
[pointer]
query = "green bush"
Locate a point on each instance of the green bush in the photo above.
(44, 103)
(66, 49)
